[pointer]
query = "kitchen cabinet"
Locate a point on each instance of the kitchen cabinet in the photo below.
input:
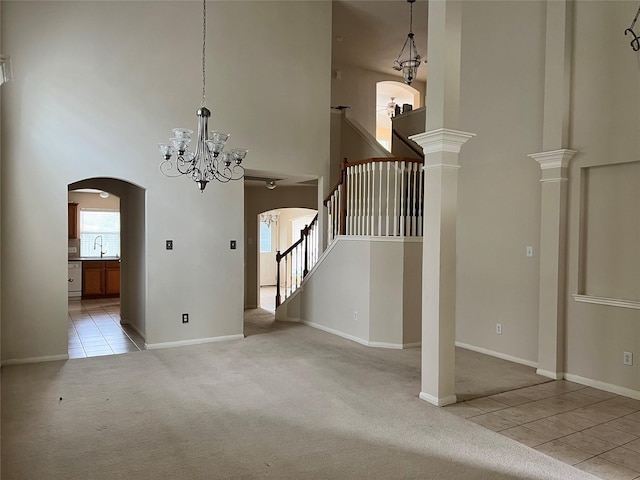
(73, 220)
(100, 278)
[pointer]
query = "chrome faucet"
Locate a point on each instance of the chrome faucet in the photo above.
(95, 242)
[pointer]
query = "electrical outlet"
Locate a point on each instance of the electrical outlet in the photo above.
(185, 318)
(169, 244)
(355, 315)
(499, 328)
(627, 358)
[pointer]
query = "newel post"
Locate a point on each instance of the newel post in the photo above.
(305, 234)
(278, 258)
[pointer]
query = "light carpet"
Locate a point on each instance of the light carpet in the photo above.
(287, 402)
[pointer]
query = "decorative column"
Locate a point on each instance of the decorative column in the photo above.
(553, 239)
(554, 161)
(441, 148)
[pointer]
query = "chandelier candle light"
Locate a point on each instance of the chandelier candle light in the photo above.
(409, 66)
(209, 161)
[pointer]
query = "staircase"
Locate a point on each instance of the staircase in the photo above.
(376, 197)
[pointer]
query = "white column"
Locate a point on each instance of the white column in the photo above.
(441, 148)
(553, 233)
(554, 161)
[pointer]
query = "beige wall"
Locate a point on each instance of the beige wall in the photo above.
(357, 88)
(499, 191)
(604, 130)
(98, 117)
(366, 280)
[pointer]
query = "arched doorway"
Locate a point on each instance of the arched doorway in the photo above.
(102, 323)
(278, 229)
(388, 95)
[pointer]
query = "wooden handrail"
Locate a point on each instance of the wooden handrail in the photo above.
(304, 236)
(408, 143)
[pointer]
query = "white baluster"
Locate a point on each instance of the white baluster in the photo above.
(420, 199)
(388, 221)
(380, 200)
(414, 198)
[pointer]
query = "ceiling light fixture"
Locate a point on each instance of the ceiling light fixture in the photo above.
(635, 41)
(104, 195)
(409, 66)
(271, 184)
(209, 161)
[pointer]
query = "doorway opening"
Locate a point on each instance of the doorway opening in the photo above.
(392, 98)
(106, 253)
(278, 230)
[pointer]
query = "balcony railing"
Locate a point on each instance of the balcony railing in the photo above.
(377, 197)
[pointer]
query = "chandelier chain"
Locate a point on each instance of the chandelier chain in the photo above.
(204, 48)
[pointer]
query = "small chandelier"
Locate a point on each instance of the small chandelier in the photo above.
(270, 217)
(209, 161)
(409, 66)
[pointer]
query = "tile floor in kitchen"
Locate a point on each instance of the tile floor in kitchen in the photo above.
(593, 430)
(94, 329)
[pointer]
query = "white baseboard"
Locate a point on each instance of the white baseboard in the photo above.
(607, 387)
(361, 341)
(438, 402)
(48, 358)
(195, 341)
(503, 356)
(550, 374)
(133, 327)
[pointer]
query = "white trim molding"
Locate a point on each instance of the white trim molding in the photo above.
(438, 402)
(554, 158)
(502, 356)
(549, 374)
(195, 341)
(607, 387)
(48, 358)
(611, 302)
(442, 140)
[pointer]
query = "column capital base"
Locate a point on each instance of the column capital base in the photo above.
(442, 140)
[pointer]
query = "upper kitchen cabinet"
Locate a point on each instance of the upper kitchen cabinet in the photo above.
(73, 220)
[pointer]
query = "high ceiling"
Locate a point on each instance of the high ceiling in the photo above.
(370, 33)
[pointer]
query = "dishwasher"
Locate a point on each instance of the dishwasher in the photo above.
(75, 279)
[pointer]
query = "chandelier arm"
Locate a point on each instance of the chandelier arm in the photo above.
(402, 50)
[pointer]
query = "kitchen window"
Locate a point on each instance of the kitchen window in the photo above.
(99, 233)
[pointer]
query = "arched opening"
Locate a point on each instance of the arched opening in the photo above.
(392, 97)
(277, 230)
(106, 309)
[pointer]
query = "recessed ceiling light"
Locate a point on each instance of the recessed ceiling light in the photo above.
(104, 195)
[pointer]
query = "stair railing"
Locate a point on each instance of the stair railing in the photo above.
(377, 197)
(294, 263)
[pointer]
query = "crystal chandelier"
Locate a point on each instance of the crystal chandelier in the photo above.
(409, 66)
(209, 161)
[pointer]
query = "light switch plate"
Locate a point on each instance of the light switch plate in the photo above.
(169, 244)
(232, 244)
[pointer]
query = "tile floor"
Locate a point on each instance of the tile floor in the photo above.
(593, 430)
(94, 329)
